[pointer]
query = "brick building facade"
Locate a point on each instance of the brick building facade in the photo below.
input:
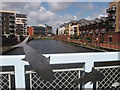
(100, 30)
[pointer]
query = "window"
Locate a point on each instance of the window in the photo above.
(110, 38)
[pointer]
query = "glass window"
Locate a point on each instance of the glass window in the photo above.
(110, 38)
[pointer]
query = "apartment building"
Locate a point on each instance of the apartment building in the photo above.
(61, 30)
(40, 30)
(113, 35)
(21, 24)
(73, 28)
(7, 20)
(114, 16)
(48, 31)
(69, 28)
(13, 24)
(103, 29)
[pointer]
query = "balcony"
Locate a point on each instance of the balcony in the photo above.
(11, 29)
(66, 68)
(111, 10)
(12, 24)
(12, 16)
(111, 16)
(113, 25)
(12, 20)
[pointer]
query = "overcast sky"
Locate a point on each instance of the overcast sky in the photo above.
(57, 13)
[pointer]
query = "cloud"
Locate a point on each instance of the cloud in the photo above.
(95, 16)
(101, 16)
(88, 18)
(86, 6)
(58, 20)
(41, 17)
(21, 7)
(58, 6)
(37, 14)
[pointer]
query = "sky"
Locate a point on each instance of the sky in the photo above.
(57, 13)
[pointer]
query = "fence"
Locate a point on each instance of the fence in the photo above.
(111, 72)
(63, 78)
(5, 80)
(66, 67)
(104, 45)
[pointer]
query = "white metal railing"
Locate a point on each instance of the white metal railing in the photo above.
(5, 80)
(63, 79)
(112, 75)
(88, 58)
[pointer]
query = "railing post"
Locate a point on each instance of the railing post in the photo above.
(30, 81)
(9, 81)
(88, 67)
(20, 77)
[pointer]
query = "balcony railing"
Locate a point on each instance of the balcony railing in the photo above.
(12, 24)
(112, 9)
(12, 16)
(111, 17)
(66, 68)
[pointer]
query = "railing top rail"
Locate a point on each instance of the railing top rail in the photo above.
(108, 67)
(7, 72)
(87, 58)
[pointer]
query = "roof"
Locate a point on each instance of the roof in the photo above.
(103, 18)
(84, 22)
(92, 21)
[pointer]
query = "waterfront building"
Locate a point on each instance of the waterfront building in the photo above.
(74, 28)
(40, 30)
(57, 31)
(93, 29)
(69, 28)
(113, 35)
(13, 24)
(61, 30)
(7, 19)
(66, 29)
(114, 16)
(100, 30)
(48, 29)
(21, 24)
(30, 30)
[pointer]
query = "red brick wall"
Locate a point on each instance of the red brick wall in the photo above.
(61, 37)
(115, 37)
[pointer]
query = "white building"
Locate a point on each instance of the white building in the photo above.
(21, 24)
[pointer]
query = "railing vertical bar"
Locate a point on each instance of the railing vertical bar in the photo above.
(30, 81)
(9, 81)
(79, 77)
(96, 85)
